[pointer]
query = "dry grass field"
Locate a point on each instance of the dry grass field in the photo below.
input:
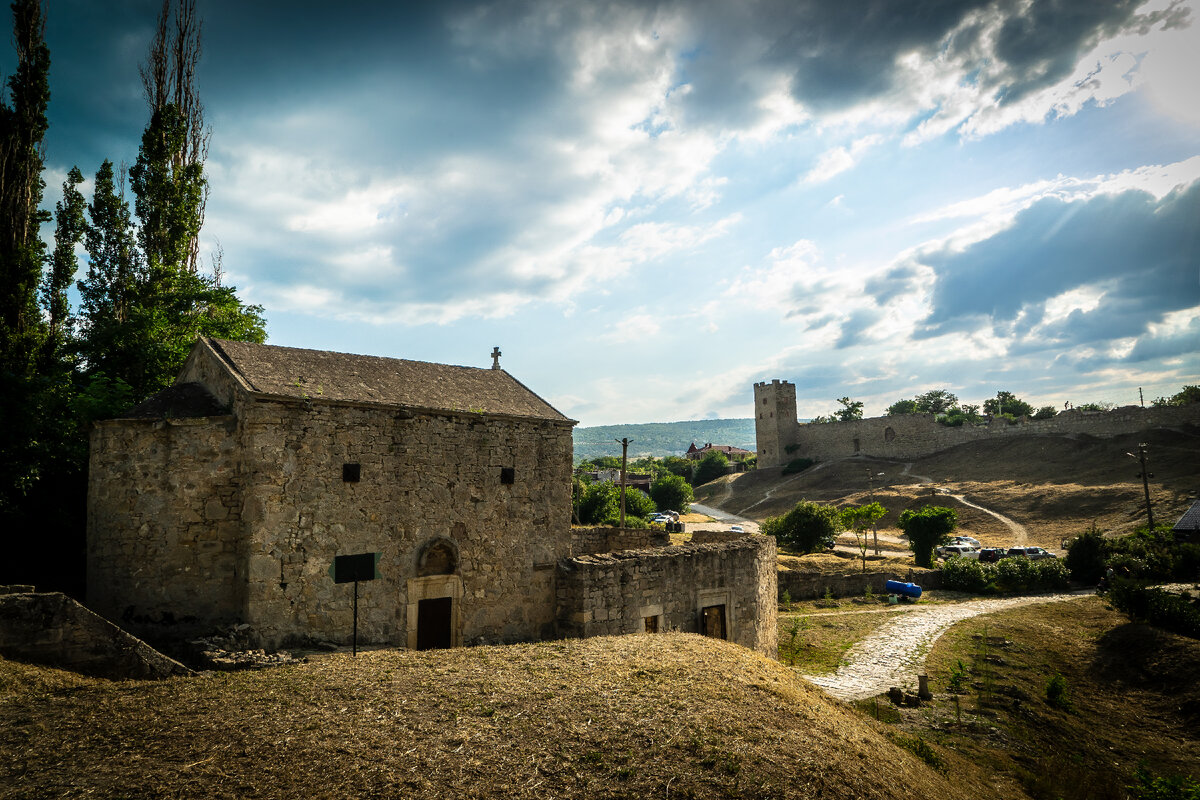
(671, 716)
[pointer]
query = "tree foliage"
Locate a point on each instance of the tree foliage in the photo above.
(1007, 404)
(860, 519)
(807, 528)
(711, 467)
(143, 303)
(927, 528)
(850, 410)
(671, 492)
(1189, 394)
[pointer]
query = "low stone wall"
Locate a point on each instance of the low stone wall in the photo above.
(54, 630)
(668, 588)
(812, 585)
(715, 537)
(586, 541)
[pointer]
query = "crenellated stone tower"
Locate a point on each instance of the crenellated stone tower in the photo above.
(775, 425)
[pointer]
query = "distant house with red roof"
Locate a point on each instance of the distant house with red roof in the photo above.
(730, 452)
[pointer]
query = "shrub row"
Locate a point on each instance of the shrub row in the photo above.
(1006, 576)
(1160, 608)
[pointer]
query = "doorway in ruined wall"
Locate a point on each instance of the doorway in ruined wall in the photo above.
(713, 613)
(434, 598)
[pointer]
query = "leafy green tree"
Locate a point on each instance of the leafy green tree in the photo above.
(23, 125)
(927, 528)
(114, 327)
(807, 528)
(860, 519)
(902, 407)
(936, 401)
(600, 503)
(850, 410)
(1045, 412)
(1189, 394)
(1007, 403)
(963, 415)
(677, 465)
(638, 504)
(671, 492)
(712, 466)
(70, 227)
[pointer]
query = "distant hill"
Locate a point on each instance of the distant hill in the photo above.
(660, 439)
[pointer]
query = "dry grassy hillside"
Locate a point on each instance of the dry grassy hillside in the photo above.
(1055, 486)
(669, 716)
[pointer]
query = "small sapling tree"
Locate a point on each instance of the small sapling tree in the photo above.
(860, 519)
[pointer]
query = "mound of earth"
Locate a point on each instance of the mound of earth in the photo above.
(670, 715)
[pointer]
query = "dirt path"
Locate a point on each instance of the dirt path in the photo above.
(1019, 531)
(895, 654)
(771, 492)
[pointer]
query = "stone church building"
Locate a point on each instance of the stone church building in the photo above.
(226, 498)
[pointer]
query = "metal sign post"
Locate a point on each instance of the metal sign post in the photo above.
(352, 569)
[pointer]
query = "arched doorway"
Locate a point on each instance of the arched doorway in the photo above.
(434, 597)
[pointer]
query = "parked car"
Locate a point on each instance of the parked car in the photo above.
(971, 540)
(736, 529)
(1032, 553)
(963, 550)
(991, 554)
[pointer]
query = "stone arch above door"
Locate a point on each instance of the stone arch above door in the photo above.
(438, 556)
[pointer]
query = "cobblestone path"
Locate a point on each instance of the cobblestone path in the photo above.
(895, 654)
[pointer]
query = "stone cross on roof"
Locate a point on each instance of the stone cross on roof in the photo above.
(495, 358)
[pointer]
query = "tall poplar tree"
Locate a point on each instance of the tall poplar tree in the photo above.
(22, 127)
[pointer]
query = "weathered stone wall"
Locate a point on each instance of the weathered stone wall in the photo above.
(424, 477)
(615, 593)
(916, 435)
(715, 537)
(585, 541)
(812, 585)
(54, 630)
(164, 521)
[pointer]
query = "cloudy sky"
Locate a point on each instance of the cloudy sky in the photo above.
(651, 206)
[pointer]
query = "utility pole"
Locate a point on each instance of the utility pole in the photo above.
(1141, 397)
(624, 458)
(1145, 476)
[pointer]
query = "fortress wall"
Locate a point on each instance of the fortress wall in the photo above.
(916, 435)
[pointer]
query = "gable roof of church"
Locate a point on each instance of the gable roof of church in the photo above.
(344, 377)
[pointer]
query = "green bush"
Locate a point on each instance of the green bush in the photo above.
(1085, 556)
(798, 465)
(967, 575)
(1160, 608)
(670, 492)
(711, 467)
(806, 528)
(1056, 693)
(1151, 787)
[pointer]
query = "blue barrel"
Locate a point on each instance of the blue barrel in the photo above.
(906, 589)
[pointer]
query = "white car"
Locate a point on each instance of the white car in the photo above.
(736, 529)
(971, 540)
(963, 550)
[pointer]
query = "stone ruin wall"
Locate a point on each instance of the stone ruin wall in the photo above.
(613, 593)
(587, 541)
(425, 477)
(812, 586)
(174, 542)
(917, 435)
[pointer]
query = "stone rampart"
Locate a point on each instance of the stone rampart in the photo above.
(670, 588)
(813, 585)
(586, 541)
(54, 630)
(715, 537)
(917, 435)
